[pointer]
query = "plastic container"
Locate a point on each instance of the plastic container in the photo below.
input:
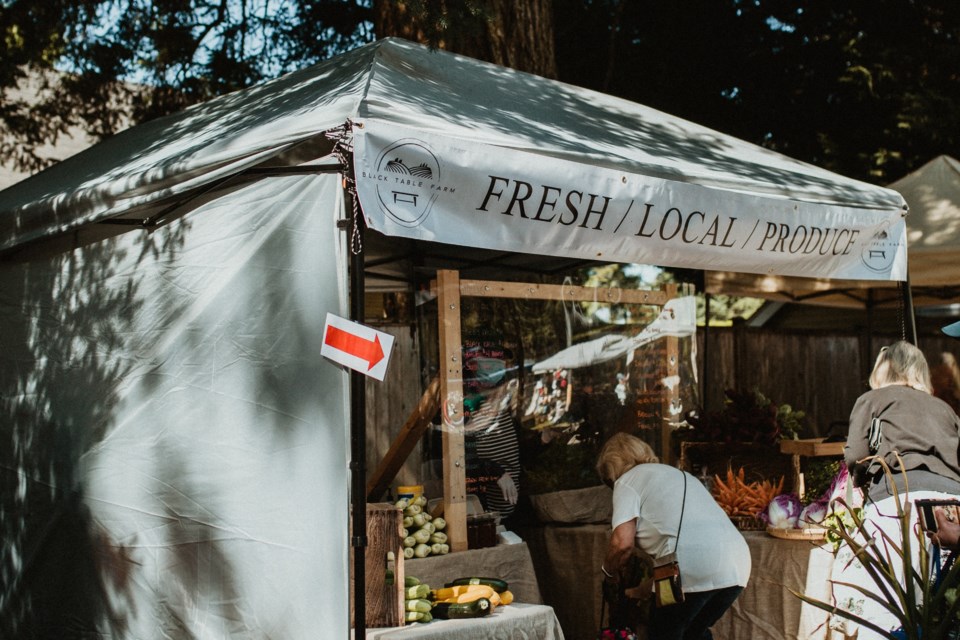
(410, 492)
(482, 530)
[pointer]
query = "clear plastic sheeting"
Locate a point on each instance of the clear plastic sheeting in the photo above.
(175, 453)
(677, 318)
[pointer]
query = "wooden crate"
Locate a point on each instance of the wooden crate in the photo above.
(384, 597)
(811, 447)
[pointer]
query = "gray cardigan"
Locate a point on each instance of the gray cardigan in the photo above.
(922, 428)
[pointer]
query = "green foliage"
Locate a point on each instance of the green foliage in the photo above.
(102, 64)
(818, 476)
(864, 88)
(867, 89)
(724, 308)
(839, 521)
(790, 421)
(747, 416)
(561, 466)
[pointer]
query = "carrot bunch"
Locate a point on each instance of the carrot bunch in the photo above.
(740, 498)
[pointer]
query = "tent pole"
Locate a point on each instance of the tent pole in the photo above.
(358, 438)
(866, 343)
(909, 319)
(706, 352)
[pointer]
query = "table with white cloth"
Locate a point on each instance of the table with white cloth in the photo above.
(767, 609)
(517, 621)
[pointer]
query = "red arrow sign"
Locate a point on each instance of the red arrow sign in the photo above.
(352, 344)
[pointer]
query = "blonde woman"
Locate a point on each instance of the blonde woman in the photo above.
(918, 436)
(647, 501)
(900, 414)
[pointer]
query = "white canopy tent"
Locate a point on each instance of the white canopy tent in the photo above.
(162, 296)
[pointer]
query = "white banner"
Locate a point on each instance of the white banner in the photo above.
(428, 187)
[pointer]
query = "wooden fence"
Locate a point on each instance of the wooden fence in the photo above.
(820, 373)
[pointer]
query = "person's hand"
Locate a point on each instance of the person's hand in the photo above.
(611, 590)
(640, 592)
(508, 488)
(948, 532)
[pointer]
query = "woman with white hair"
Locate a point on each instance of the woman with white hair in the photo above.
(917, 436)
(899, 415)
(663, 510)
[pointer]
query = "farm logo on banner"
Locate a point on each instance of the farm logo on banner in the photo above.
(879, 254)
(356, 346)
(408, 181)
(425, 186)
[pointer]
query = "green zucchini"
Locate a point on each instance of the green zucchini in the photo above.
(419, 605)
(496, 584)
(416, 592)
(452, 610)
(410, 581)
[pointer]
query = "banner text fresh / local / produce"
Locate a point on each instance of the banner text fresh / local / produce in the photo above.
(549, 204)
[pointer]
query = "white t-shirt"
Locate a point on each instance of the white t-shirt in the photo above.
(712, 553)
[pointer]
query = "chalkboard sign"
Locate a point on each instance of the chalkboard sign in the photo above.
(649, 407)
(649, 369)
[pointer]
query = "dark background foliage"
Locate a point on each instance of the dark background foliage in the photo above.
(867, 88)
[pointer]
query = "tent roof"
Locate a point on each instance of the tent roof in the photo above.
(932, 193)
(933, 225)
(406, 84)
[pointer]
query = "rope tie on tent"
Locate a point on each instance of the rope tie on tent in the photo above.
(342, 137)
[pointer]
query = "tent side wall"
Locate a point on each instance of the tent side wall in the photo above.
(177, 453)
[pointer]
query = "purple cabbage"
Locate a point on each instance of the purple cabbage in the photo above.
(813, 514)
(783, 511)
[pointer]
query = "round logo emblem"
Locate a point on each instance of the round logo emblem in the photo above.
(407, 172)
(878, 254)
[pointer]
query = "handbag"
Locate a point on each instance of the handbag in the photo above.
(667, 586)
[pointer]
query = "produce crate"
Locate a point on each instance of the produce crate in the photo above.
(748, 523)
(384, 593)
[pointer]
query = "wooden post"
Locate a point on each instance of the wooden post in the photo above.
(451, 405)
(671, 391)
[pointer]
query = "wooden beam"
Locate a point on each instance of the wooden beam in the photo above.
(569, 293)
(411, 432)
(671, 393)
(451, 403)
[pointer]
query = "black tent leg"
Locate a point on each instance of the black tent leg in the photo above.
(704, 402)
(358, 449)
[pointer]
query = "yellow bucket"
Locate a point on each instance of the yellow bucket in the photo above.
(410, 492)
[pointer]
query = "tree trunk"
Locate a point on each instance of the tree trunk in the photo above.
(519, 35)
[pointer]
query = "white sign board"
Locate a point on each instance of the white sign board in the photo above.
(356, 346)
(422, 185)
